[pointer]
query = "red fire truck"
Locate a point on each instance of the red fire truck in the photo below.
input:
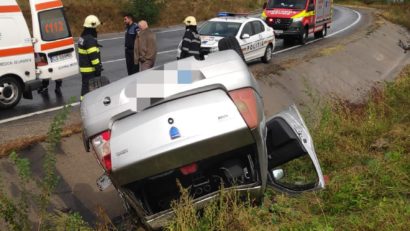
(296, 19)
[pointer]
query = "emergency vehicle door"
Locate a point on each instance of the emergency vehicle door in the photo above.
(292, 163)
(53, 41)
(247, 40)
(16, 48)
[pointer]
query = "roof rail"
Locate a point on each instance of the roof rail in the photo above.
(230, 14)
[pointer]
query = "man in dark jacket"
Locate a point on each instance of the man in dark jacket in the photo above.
(191, 42)
(89, 57)
(130, 35)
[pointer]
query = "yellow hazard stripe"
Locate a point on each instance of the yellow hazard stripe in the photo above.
(92, 50)
(82, 51)
(304, 13)
(87, 69)
(263, 16)
(88, 51)
(95, 61)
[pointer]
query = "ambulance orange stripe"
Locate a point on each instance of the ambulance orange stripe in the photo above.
(16, 51)
(57, 44)
(9, 9)
(48, 5)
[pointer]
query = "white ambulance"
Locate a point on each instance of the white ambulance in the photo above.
(49, 53)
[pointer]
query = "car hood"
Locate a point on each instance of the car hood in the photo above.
(210, 41)
(101, 107)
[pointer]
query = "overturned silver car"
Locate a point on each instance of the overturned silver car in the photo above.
(200, 122)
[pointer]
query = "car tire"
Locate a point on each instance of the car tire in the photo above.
(268, 54)
(230, 43)
(12, 92)
(303, 37)
(322, 33)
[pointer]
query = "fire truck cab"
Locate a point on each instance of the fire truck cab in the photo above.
(296, 19)
(26, 59)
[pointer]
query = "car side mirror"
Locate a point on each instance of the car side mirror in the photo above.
(311, 7)
(245, 36)
(278, 174)
(264, 5)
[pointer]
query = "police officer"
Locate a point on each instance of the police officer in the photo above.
(191, 41)
(130, 35)
(89, 53)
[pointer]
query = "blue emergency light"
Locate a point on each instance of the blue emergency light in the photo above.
(230, 14)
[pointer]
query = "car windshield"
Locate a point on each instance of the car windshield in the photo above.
(223, 29)
(288, 4)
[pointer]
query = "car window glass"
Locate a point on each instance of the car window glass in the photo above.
(53, 25)
(258, 27)
(220, 29)
(247, 29)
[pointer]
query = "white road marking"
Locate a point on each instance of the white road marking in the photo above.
(36, 113)
(169, 51)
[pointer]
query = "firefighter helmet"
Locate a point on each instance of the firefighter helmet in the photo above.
(91, 21)
(190, 21)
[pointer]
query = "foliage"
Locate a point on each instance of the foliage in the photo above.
(15, 210)
(364, 149)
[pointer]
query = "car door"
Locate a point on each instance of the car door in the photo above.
(246, 40)
(258, 46)
(53, 41)
(293, 166)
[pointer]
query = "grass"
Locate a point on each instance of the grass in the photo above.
(364, 149)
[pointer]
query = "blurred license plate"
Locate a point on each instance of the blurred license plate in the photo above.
(278, 31)
(61, 57)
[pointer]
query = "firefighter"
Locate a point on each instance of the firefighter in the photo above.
(191, 42)
(89, 53)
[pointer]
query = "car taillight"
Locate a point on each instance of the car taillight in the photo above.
(41, 59)
(101, 145)
(189, 169)
(245, 101)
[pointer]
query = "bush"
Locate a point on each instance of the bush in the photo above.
(147, 10)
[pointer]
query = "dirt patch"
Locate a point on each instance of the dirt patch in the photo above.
(27, 141)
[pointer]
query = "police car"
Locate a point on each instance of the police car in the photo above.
(255, 37)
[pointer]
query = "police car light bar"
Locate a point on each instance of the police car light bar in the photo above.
(230, 14)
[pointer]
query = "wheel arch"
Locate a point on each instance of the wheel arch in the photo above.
(15, 76)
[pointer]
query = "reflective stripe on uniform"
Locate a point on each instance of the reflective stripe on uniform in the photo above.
(95, 61)
(88, 51)
(82, 51)
(92, 50)
(87, 69)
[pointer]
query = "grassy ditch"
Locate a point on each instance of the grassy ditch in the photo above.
(364, 149)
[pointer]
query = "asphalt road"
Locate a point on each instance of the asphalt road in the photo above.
(167, 41)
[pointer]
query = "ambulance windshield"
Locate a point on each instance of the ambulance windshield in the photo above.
(53, 25)
(287, 4)
(223, 29)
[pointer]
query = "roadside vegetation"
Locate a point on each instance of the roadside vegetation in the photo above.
(364, 150)
(394, 11)
(158, 13)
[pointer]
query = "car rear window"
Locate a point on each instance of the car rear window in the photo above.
(223, 29)
(53, 25)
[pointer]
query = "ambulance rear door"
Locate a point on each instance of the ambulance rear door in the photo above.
(54, 44)
(16, 48)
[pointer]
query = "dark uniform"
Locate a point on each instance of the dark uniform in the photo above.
(130, 35)
(191, 43)
(89, 60)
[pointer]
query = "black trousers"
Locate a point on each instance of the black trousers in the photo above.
(132, 68)
(85, 78)
(46, 82)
